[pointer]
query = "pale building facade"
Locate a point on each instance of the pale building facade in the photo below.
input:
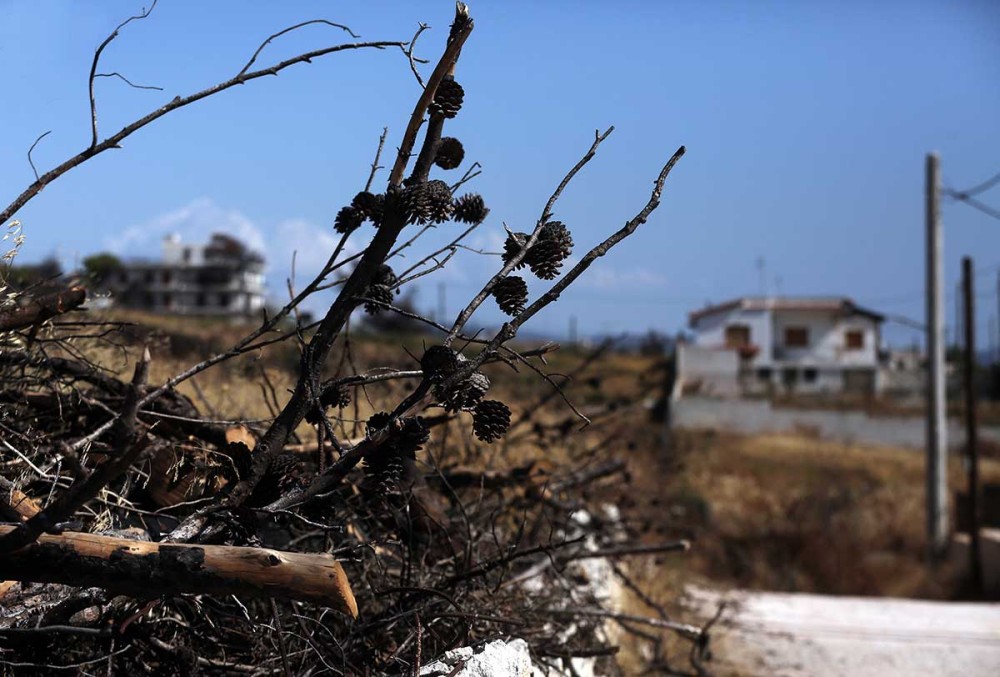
(222, 277)
(825, 344)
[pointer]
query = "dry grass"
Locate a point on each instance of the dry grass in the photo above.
(792, 513)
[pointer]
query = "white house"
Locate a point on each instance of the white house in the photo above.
(222, 277)
(825, 344)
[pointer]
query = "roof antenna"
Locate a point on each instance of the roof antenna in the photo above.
(762, 276)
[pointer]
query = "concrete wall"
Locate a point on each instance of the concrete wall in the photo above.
(707, 371)
(759, 416)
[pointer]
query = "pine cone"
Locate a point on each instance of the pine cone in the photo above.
(438, 363)
(377, 295)
(450, 153)
(512, 247)
(490, 420)
(406, 438)
(383, 289)
(427, 202)
(447, 99)
(466, 394)
(388, 464)
(337, 396)
(471, 209)
(348, 219)
(369, 206)
(511, 293)
(553, 246)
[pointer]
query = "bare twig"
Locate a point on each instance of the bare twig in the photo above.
(409, 54)
(30, 150)
(463, 317)
(114, 141)
(378, 154)
(93, 72)
(118, 75)
(289, 30)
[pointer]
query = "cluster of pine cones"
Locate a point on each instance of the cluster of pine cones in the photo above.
(490, 418)
(423, 202)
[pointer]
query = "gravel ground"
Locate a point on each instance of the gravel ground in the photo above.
(764, 633)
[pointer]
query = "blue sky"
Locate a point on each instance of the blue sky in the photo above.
(806, 125)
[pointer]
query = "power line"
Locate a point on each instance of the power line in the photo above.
(966, 196)
(976, 204)
(985, 185)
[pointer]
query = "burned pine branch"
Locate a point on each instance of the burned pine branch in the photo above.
(34, 311)
(114, 141)
(319, 346)
(129, 443)
(148, 570)
(449, 536)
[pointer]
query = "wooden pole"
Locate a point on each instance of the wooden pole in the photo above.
(971, 425)
(937, 444)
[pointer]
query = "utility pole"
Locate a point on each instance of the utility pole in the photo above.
(971, 432)
(937, 444)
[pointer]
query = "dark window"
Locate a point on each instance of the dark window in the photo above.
(796, 337)
(854, 339)
(166, 277)
(764, 374)
(809, 375)
(224, 300)
(789, 376)
(200, 300)
(150, 277)
(187, 254)
(737, 336)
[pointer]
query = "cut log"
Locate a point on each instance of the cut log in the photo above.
(37, 310)
(143, 569)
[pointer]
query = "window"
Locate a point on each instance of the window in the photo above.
(764, 374)
(187, 254)
(854, 339)
(166, 277)
(737, 336)
(809, 375)
(796, 337)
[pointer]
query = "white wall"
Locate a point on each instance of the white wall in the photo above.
(707, 370)
(711, 331)
(827, 338)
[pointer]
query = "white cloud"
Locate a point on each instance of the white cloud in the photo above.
(194, 222)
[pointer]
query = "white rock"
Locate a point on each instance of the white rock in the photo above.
(494, 659)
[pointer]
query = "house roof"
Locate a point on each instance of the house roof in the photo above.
(835, 304)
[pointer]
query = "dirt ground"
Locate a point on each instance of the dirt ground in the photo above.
(764, 633)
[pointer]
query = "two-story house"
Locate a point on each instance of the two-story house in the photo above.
(824, 344)
(221, 277)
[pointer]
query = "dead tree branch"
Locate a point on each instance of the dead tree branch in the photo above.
(145, 570)
(42, 308)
